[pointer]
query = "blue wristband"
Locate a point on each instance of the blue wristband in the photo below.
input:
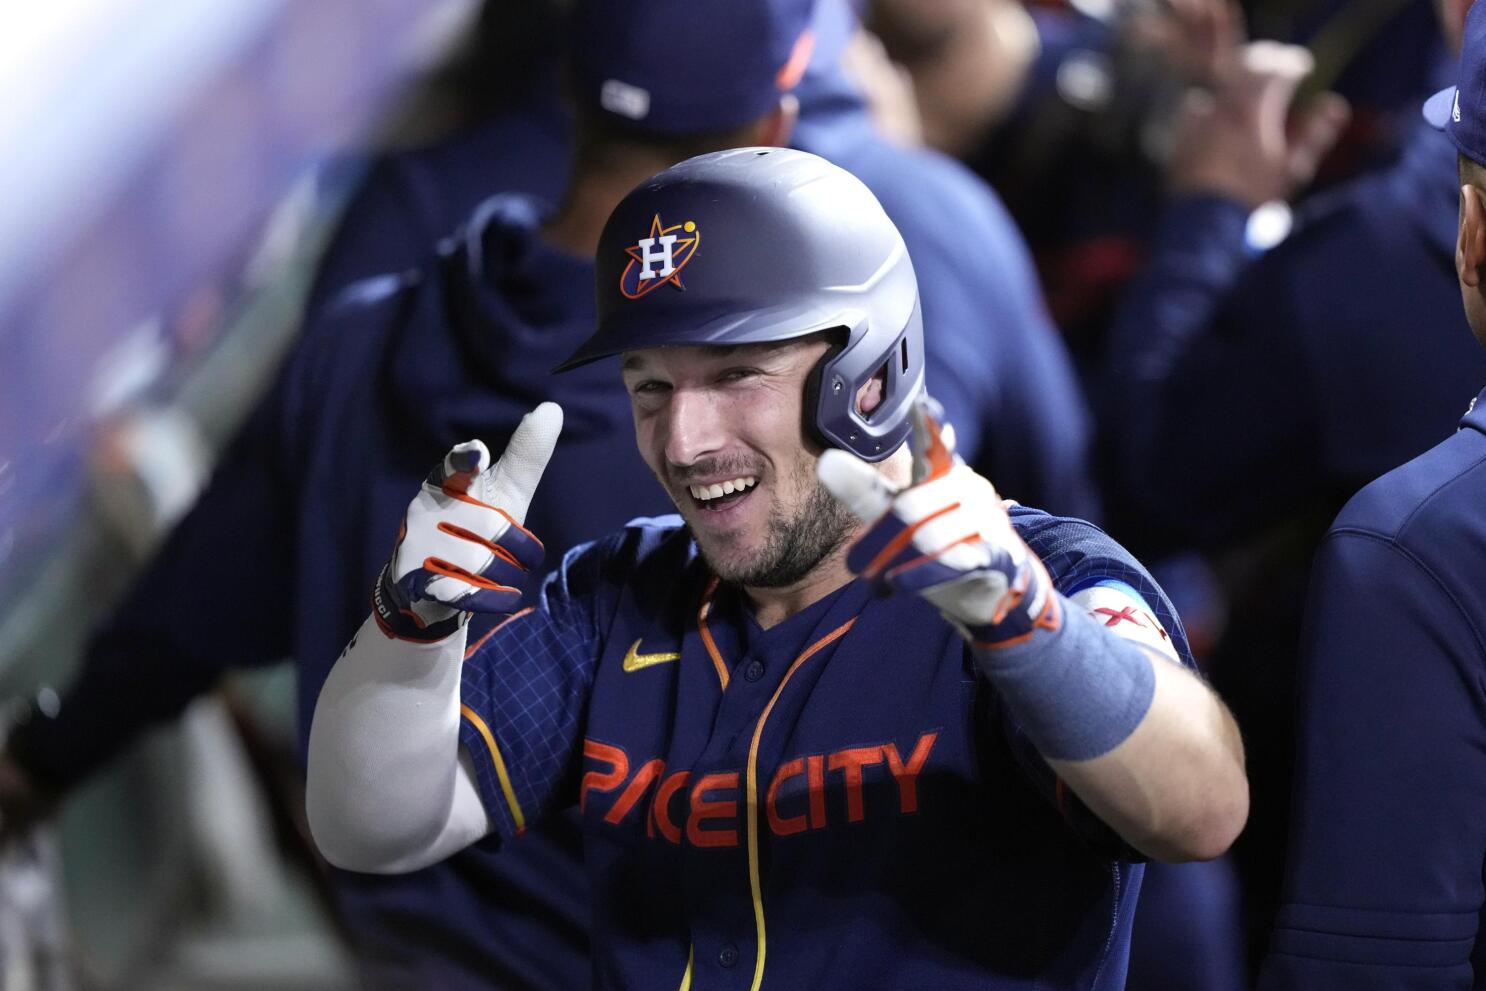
(1077, 691)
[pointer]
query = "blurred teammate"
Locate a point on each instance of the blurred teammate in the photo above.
(785, 775)
(1383, 881)
(1008, 361)
(391, 375)
(1081, 161)
(1251, 392)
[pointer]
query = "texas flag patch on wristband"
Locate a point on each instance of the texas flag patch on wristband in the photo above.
(1120, 609)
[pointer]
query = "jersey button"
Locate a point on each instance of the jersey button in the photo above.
(754, 671)
(728, 955)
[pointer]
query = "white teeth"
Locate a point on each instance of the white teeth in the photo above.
(706, 493)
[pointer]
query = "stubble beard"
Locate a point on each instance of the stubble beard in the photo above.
(795, 546)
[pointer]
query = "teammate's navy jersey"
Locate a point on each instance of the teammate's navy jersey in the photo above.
(1249, 398)
(1290, 365)
(836, 801)
(1383, 884)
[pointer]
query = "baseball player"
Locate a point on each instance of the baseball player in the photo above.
(1383, 881)
(941, 773)
(390, 374)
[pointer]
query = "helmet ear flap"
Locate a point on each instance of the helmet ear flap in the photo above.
(833, 418)
(815, 382)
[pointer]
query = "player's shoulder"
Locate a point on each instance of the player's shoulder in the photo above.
(1068, 546)
(522, 148)
(1404, 552)
(899, 170)
(643, 566)
(939, 199)
(646, 549)
(1093, 569)
(1430, 502)
(658, 540)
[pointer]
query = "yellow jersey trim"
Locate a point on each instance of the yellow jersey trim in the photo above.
(470, 651)
(752, 784)
(500, 765)
(717, 662)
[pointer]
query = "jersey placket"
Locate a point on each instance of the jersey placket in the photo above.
(729, 921)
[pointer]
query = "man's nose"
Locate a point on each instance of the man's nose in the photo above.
(694, 427)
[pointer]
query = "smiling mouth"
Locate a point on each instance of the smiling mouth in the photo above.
(721, 495)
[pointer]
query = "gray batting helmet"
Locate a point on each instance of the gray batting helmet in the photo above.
(768, 244)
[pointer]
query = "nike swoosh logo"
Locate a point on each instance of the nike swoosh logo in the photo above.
(634, 660)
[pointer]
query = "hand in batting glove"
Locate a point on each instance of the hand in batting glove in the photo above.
(946, 537)
(462, 548)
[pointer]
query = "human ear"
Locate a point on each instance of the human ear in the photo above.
(1470, 244)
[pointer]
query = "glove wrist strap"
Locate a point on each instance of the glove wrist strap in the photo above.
(1031, 606)
(399, 619)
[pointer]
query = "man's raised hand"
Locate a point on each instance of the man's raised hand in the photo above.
(462, 547)
(946, 537)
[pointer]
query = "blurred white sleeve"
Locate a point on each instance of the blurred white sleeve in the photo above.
(389, 789)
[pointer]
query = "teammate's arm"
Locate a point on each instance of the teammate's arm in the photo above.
(389, 787)
(1192, 366)
(1142, 741)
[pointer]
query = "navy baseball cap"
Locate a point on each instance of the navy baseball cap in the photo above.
(668, 67)
(1460, 110)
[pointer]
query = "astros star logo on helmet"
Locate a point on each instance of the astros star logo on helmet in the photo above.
(659, 258)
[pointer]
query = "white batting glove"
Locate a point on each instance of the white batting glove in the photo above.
(462, 548)
(946, 537)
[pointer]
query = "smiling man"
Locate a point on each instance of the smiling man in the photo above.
(720, 427)
(851, 721)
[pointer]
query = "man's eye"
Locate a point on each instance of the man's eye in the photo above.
(737, 374)
(650, 387)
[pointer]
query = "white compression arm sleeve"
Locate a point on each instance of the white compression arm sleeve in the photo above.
(389, 789)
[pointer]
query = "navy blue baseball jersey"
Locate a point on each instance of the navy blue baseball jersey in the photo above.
(836, 801)
(1383, 882)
